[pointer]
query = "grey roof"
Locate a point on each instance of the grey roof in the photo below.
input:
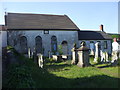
(93, 35)
(39, 21)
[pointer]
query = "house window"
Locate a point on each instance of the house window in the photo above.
(46, 31)
(64, 47)
(105, 44)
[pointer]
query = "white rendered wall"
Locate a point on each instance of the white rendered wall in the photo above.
(70, 36)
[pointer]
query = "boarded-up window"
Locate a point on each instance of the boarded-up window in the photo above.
(38, 41)
(65, 47)
(23, 44)
(54, 44)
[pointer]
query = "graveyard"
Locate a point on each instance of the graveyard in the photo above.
(23, 72)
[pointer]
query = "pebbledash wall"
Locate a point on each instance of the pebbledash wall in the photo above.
(70, 37)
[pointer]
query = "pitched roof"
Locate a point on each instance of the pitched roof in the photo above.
(93, 35)
(39, 21)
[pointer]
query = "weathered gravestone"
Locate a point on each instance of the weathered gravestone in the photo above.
(83, 55)
(74, 55)
(35, 56)
(29, 52)
(49, 54)
(97, 52)
(40, 60)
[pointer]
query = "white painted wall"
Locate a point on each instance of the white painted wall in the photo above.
(4, 38)
(70, 36)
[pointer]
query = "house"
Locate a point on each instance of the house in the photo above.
(91, 37)
(44, 33)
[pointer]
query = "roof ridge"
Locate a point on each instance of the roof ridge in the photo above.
(36, 14)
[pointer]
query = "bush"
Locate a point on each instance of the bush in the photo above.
(18, 77)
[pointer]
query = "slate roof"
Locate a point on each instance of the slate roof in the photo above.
(23, 21)
(93, 35)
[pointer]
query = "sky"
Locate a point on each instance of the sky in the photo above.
(86, 15)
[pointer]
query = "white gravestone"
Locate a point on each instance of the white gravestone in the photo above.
(74, 55)
(29, 53)
(104, 56)
(97, 52)
(40, 60)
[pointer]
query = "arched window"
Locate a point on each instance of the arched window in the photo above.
(54, 44)
(64, 47)
(23, 44)
(38, 44)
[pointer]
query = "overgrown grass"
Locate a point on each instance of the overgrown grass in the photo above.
(58, 75)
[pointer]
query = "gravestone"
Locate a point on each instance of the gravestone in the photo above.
(104, 56)
(40, 60)
(97, 52)
(29, 52)
(35, 56)
(49, 54)
(74, 55)
(83, 56)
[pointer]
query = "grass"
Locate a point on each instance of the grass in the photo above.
(59, 75)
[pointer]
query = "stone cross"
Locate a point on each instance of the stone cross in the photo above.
(97, 52)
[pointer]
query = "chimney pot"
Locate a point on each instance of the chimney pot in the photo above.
(101, 27)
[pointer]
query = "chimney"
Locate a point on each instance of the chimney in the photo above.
(101, 27)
